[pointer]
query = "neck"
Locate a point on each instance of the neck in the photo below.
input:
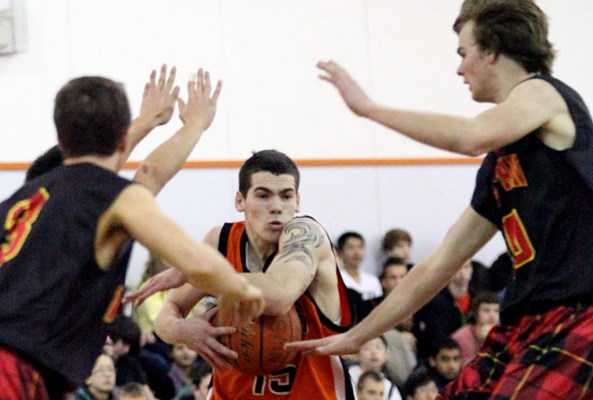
(352, 271)
(258, 253)
(111, 163)
(458, 290)
(509, 74)
(99, 394)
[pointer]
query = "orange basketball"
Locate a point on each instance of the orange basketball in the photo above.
(260, 344)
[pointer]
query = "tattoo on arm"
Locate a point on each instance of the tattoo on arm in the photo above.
(303, 237)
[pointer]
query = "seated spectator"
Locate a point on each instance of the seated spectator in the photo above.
(100, 384)
(444, 364)
(130, 359)
(146, 313)
(445, 313)
(363, 287)
(133, 391)
(371, 357)
(485, 313)
(401, 342)
(370, 386)
(397, 243)
(197, 389)
(183, 361)
(125, 335)
(420, 386)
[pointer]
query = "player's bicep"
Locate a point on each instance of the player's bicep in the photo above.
(528, 107)
(300, 248)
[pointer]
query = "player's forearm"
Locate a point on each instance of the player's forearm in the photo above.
(445, 132)
(163, 163)
(279, 296)
(166, 324)
(139, 129)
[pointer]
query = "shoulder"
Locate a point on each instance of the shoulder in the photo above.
(307, 224)
(213, 236)
(539, 92)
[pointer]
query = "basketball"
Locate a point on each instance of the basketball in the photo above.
(260, 344)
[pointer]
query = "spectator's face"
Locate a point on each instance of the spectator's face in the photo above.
(394, 273)
(371, 390)
(464, 275)
(402, 249)
(488, 313)
(428, 391)
(102, 377)
(352, 253)
(373, 355)
(120, 348)
(183, 355)
(447, 363)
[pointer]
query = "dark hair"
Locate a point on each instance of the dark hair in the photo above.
(517, 29)
(49, 160)
(391, 261)
(417, 378)
(444, 343)
(483, 297)
(91, 115)
(469, 8)
(348, 235)
(368, 375)
(393, 237)
(133, 389)
(126, 329)
(199, 371)
(271, 161)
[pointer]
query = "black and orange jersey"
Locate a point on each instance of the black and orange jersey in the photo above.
(542, 201)
(320, 378)
(55, 301)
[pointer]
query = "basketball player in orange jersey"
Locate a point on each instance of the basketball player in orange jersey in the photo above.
(291, 260)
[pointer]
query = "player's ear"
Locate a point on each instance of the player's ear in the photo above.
(239, 202)
(298, 202)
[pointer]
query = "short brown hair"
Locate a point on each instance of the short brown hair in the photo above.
(515, 28)
(393, 237)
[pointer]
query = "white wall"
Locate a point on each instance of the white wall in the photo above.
(402, 51)
(425, 200)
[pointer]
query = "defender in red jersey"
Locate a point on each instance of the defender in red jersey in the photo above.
(535, 186)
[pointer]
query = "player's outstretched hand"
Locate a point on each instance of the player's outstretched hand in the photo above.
(239, 307)
(356, 99)
(202, 337)
(201, 103)
(336, 344)
(169, 279)
(158, 100)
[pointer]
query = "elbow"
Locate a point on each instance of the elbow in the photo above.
(277, 307)
(471, 148)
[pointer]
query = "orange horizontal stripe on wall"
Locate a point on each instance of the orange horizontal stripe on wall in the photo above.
(337, 162)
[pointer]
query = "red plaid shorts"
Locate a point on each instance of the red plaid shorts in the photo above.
(19, 380)
(542, 357)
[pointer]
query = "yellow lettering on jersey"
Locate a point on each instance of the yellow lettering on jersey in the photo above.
(517, 239)
(508, 172)
(113, 308)
(19, 221)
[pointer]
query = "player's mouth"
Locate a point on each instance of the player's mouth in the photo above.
(276, 225)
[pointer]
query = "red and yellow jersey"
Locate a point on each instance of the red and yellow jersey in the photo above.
(319, 378)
